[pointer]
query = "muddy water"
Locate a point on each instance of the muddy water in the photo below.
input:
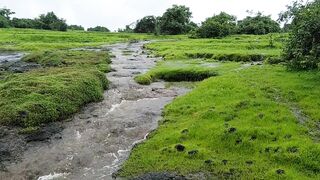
(97, 140)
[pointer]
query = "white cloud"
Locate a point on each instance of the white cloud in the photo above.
(117, 13)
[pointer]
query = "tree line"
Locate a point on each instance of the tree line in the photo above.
(48, 21)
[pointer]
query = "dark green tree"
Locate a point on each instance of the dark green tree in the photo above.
(99, 29)
(6, 13)
(259, 24)
(175, 20)
(50, 21)
(302, 51)
(5, 17)
(217, 26)
(146, 25)
(23, 23)
(76, 28)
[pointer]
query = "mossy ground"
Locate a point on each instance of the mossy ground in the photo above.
(249, 122)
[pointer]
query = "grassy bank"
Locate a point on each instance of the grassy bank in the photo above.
(233, 48)
(240, 125)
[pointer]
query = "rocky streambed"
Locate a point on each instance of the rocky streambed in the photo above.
(96, 141)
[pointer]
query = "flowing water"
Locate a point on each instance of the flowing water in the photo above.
(97, 140)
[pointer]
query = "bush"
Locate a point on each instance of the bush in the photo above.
(217, 26)
(258, 25)
(75, 28)
(302, 51)
(4, 22)
(23, 23)
(146, 25)
(99, 29)
(50, 21)
(176, 20)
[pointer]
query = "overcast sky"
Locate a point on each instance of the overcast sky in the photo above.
(116, 14)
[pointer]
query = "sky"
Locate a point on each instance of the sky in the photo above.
(116, 14)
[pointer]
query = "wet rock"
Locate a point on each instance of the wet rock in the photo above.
(225, 162)
(193, 152)
(160, 176)
(84, 116)
(4, 154)
(180, 147)
(38, 136)
(280, 171)
(232, 130)
(3, 168)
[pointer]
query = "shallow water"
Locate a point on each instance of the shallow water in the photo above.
(97, 140)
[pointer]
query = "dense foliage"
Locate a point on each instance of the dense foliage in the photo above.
(303, 49)
(146, 25)
(217, 26)
(176, 20)
(99, 29)
(259, 24)
(76, 27)
(50, 21)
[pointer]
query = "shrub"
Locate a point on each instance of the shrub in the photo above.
(99, 29)
(217, 26)
(302, 51)
(258, 24)
(146, 25)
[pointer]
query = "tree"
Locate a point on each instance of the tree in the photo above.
(6, 13)
(99, 29)
(175, 20)
(217, 26)
(4, 22)
(146, 25)
(23, 23)
(259, 24)
(302, 51)
(50, 21)
(76, 28)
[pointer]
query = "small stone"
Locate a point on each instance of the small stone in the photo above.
(293, 149)
(193, 152)
(280, 171)
(180, 147)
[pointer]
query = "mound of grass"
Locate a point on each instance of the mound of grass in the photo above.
(48, 95)
(240, 125)
(177, 71)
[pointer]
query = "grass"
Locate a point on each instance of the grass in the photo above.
(176, 71)
(236, 126)
(248, 122)
(233, 48)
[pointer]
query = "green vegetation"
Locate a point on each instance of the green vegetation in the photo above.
(68, 80)
(233, 48)
(259, 24)
(303, 49)
(99, 29)
(35, 40)
(243, 124)
(146, 25)
(220, 25)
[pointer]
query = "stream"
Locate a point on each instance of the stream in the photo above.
(97, 140)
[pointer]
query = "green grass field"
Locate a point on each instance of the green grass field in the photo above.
(246, 122)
